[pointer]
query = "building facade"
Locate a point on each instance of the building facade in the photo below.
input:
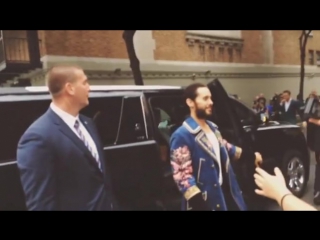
(246, 62)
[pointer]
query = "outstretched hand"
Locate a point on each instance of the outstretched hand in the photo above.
(273, 187)
(258, 160)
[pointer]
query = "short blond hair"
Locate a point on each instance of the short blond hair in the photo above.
(58, 76)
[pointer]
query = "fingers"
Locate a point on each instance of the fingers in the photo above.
(259, 192)
(261, 172)
(258, 177)
(277, 172)
(258, 162)
(258, 183)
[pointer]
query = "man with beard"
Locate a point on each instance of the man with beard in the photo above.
(200, 158)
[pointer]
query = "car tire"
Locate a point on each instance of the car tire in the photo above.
(294, 169)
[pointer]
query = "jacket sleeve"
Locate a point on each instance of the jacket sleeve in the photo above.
(36, 165)
(181, 163)
(237, 153)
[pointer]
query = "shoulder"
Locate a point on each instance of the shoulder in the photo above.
(181, 131)
(212, 124)
(41, 128)
(181, 135)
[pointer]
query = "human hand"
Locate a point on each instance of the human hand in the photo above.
(258, 160)
(313, 120)
(273, 187)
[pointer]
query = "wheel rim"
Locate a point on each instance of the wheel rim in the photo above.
(295, 173)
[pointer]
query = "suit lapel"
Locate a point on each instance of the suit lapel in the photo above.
(65, 129)
(201, 138)
(205, 144)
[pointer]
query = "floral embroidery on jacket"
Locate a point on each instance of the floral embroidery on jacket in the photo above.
(226, 144)
(182, 168)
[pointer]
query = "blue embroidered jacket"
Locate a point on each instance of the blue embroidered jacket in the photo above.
(196, 168)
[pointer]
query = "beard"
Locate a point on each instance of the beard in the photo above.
(201, 113)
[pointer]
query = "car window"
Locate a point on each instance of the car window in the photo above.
(106, 114)
(15, 119)
(119, 119)
(243, 112)
(164, 116)
(132, 123)
(172, 110)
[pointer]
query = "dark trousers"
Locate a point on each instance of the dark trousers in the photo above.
(317, 173)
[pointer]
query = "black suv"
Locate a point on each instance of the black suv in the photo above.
(135, 124)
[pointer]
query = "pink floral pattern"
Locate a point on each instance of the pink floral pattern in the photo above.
(226, 144)
(229, 147)
(182, 168)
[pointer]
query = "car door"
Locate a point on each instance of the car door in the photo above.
(224, 115)
(132, 158)
(230, 126)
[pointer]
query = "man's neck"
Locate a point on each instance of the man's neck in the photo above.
(201, 122)
(66, 107)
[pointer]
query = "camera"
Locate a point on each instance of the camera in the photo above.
(276, 104)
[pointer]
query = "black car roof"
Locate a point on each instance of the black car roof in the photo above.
(94, 88)
(13, 94)
(43, 90)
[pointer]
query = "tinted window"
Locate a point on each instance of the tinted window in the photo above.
(243, 112)
(15, 118)
(169, 113)
(106, 114)
(132, 127)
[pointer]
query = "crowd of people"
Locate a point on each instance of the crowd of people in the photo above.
(281, 107)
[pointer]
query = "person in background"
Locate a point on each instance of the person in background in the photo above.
(300, 100)
(274, 187)
(262, 99)
(270, 108)
(313, 131)
(255, 103)
(289, 108)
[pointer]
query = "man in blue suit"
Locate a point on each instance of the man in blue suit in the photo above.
(60, 157)
(200, 158)
(289, 108)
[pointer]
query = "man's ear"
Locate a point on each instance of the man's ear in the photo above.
(69, 88)
(190, 103)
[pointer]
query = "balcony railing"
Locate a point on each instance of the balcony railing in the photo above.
(16, 50)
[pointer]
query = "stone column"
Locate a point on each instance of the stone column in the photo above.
(267, 43)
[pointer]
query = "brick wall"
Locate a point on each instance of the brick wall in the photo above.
(286, 46)
(172, 45)
(108, 44)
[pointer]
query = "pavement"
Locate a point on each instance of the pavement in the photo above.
(308, 196)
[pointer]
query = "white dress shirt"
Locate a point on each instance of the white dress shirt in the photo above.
(70, 121)
(287, 104)
(216, 148)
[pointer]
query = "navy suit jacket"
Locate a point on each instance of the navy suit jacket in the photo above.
(291, 114)
(57, 170)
